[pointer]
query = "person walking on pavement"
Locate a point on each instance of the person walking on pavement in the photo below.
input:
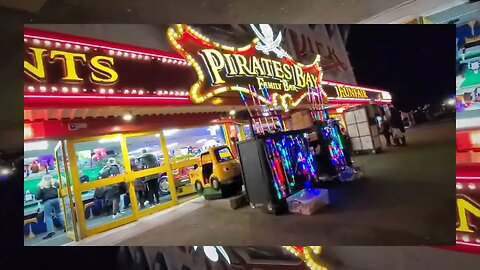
(48, 194)
(386, 130)
(398, 128)
(149, 160)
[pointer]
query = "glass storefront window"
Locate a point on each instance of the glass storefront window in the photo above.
(145, 152)
(105, 204)
(223, 154)
(185, 144)
(39, 160)
(152, 190)
(99, 159)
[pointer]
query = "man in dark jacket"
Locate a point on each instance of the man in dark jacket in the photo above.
(386, 131)
(48, 194)
(148, 161)
(112, 192)
(398, 128)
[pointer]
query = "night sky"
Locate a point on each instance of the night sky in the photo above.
(416, 63)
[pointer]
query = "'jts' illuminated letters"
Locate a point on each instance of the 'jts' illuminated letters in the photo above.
(101, 67)
(464, 207)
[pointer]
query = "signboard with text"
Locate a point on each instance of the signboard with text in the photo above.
(251, 69)
(61, 66)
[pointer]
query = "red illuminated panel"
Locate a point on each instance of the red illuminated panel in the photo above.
(33, 131)
(468, 140)
(468, 208)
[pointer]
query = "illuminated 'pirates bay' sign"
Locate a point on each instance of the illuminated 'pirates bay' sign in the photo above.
(261, 69)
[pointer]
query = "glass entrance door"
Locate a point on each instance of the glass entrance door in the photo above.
(66, 192)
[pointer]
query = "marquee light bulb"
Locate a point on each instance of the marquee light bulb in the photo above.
(127, 117)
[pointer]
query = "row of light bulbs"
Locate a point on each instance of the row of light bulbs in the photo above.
(57, 44)
(53, 89)
(111, 52)
(146, 57)
(470, 186)
(467, 239)
(173, 36)
(306, 256)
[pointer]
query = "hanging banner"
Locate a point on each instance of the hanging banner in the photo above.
(253, 69)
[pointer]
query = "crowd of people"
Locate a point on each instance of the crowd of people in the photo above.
(146, 188)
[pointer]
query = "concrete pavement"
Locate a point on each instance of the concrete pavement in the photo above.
(406, 198)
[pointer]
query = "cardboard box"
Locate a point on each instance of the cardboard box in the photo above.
(308, 201)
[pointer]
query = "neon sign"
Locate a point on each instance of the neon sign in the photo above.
(225, 70)
(76, 69)
(101, 67)
(339, 91)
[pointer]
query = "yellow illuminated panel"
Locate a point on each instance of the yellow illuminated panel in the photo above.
(463, 207)
(475, 138)
(308, 254)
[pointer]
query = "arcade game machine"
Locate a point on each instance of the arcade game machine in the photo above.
(276, 163)
(276, 166)
(279, 167)
(332, 153)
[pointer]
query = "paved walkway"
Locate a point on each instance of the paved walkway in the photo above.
(406, 198)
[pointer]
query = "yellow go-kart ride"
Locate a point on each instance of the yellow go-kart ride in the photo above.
(217, 174)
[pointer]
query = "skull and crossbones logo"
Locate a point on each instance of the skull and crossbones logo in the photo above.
(268, 42)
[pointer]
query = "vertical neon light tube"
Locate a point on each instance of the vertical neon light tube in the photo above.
(259, 117)
(248, 109)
